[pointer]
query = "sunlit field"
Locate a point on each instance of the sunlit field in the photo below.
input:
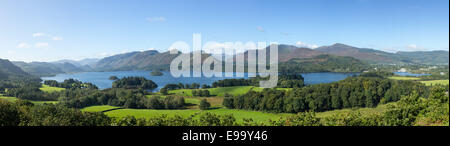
(47, 88)
(403, 78)
(436, 82)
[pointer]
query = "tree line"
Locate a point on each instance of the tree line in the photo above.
(134, 83)
(126, 98)
(285, 80)
(70, 84)
(200, 93)
(353, 92)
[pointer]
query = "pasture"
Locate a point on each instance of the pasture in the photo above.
(49, 89)
(436, 82)
(220, 91)
(12, 99)
(237, 90)
(147, 113)
(364, 111)
(403, 78)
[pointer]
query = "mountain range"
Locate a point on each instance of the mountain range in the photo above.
(9, 71)
(151, 60)
(48, 69)
(380, 57)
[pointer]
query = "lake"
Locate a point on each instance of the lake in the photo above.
(101, 79)
(409, 74)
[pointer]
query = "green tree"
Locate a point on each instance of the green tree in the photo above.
(204, 104)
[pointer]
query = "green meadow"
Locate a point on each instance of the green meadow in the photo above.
(237, 90)
(44, 88)
(403, 78)
(12, 99)
(147, 113)
(436, 82)
(99, 108)
(257, 116)
(364, 111)
(47, 88)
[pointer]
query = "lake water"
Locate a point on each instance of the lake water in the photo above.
(409, 74)
(101, 79)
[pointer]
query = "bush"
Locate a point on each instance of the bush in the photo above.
(204, 105)
(201, 93)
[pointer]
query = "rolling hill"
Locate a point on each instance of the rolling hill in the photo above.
(8, 71)
(80, 63)
(147, 60)
(48, 69)
(337, 57)
(427, 57)
(288, 52)
(323, 63)
(381, 57)
(369, 55)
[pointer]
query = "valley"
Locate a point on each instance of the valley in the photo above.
(123, 93)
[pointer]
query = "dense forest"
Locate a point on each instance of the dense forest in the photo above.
(126, 98)
(134, 83)
(353, 92)
(285, 80)
(70, 84)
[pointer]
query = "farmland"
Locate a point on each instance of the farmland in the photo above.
(44, 88)
(147, 113)
(257, 116)
(237, 90)
(47, 88)
(403, 78)
(436, 82)
(12, 99)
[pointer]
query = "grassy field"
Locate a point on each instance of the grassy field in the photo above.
(7, 98)
(35, 102)
(44, 88)
(99, 108)
(365, 111)
(47, 88)
(428, 83)
(436, 82)
(146, 113)
(257, 116)
(403, 78)
(237, 90)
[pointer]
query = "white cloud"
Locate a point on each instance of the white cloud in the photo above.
(104, 54)
(302, 44)
(260, 29)
(41, 45)
(11, 52)
(23, 45)
(57, 38)
(39, 34)
(412, 46)
(156, 19)
(148, 49)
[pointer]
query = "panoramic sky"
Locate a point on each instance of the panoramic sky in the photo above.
(50, 30)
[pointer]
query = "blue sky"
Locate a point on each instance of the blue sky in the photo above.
(49, 30)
